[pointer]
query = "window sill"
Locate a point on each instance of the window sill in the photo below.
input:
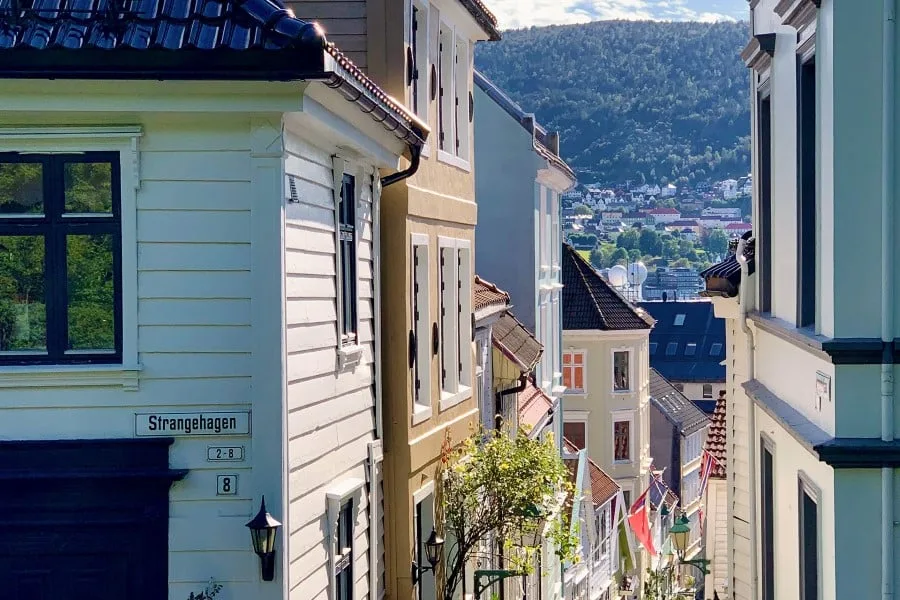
(41, 376)
(420, 413)
(449, 400)
(574, 392)
(622, 392)
(349, 355)
(558, 390)
(623, 462)
(456, 161)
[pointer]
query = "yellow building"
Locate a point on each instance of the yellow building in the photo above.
(421, 52)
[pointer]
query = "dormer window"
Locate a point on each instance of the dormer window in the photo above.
(679, 320)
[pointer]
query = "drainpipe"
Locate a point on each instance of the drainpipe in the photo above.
(416, 153)
(523, 381)
(744, 299)
(888, 150)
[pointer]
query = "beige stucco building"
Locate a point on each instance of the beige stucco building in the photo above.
(606, 372)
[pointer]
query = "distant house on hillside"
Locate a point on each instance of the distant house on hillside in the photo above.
(664, 215)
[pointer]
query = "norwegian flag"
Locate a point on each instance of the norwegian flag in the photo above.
(639, 521)
(707, 464)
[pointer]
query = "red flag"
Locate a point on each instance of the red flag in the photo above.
(707, 463)
(639, 521)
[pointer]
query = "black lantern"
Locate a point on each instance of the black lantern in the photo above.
(263, 529)
(434, 547)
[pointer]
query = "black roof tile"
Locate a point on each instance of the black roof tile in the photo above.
(676, 407)
(699, 326)
(589, 302)
(724, 278)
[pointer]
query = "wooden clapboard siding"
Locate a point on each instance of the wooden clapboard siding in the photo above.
(344, 22)
(194, 337)
(331, 418)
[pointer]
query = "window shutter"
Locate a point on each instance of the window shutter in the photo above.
(443, 316)
(414, 351)
(459, 315)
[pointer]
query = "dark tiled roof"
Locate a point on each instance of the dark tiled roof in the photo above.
(603, 487)
(484, 16)
(523, 118)
(699, 363)
(717, 439)
(589, 302)
(676, 407)
(487, 295)
(518, 344)
(724, 278)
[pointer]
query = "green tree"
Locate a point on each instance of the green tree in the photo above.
(649, 242)
(618, 257)
(717, 242)
(628, 239)
(583, 209)
(496, 484)
(634, 255)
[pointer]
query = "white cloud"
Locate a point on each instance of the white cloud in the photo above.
(514, 14)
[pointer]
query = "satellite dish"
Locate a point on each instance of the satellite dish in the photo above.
(637, 273)
(618, 276)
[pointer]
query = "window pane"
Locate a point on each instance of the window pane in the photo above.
(579, 358)
(579, 378)
(620, 435)
(88, 187)
(21, 188)
(620, 371)
(23, 314)
(91, 289)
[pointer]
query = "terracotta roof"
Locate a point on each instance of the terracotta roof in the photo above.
(716, 439)
(533, 405)
(518, 344)
(675, 406)
(487, 295)
(603, 487)
(739, 226)
(663, 211)
(591, 302)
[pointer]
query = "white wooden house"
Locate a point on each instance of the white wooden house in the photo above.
(189, 306)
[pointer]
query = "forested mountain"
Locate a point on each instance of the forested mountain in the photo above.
(633, 100)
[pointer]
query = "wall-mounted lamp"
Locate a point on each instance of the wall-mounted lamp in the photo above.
(263, 529)
(434, 547)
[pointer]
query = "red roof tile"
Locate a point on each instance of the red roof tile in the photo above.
(716, 439)
(487, 294)
(534, 405)
(603, 487)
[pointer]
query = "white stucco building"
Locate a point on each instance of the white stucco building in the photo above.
(190, 305)
(809, 298)
(518, 183)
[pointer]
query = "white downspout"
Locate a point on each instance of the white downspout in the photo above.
(376, 273)
(743, 300)
(888, 75)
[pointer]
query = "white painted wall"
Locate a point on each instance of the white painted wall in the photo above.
(716, 537)
(331, 419)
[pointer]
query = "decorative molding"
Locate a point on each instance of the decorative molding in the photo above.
(58, 133)
(798, 14)
(63, 376)
(758, 53)
(859, 453)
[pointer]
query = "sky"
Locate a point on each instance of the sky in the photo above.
(525, 13)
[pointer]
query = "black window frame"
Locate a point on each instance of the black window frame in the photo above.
(343, 552)
(764, 226)
(808, 538)
(348, 274)
(767, 519)
(55, 225)
(807, 146)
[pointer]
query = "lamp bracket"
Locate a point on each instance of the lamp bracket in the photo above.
(417, 571)
(492, 576)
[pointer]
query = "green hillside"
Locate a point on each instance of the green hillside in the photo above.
(633, 100)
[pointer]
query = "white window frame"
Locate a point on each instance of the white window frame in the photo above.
(556, 341)
(125, 140)
(421, 408)
(620, 416)
(349, 348)
(707, 391)
(573, 390)
(336, 497)
(630, 353)
(448, 84)
(556, 246)
(375, 504)
(456, 382)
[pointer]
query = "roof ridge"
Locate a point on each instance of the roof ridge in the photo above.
(638, 312)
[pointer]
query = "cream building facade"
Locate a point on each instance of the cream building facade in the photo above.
(811, 415)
